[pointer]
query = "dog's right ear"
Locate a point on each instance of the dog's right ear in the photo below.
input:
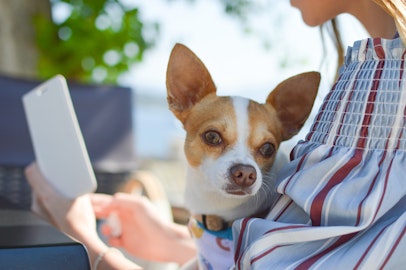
(293, 101)
(187, 81)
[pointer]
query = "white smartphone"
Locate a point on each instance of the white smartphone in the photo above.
(58, 143)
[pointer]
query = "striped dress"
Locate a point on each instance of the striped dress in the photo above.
(342, 203)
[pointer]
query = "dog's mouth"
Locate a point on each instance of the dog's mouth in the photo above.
(237, 190)
(238, 193)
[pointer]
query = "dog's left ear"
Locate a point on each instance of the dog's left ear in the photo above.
(187, 81)
(293, 101)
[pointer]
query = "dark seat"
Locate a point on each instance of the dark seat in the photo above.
(105, 115)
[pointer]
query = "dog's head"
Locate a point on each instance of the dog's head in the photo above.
(231, 142)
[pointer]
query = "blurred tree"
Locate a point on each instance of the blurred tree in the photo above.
(18, 52)
(85, 40)
(91, 40)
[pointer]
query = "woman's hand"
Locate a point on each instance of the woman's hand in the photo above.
(74, 217)
(144, 233)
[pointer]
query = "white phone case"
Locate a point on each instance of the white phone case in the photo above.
(58, 143)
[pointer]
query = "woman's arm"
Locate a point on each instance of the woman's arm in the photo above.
(74, 217)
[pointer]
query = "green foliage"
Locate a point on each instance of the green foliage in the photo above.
(239, 8)
(97, 41)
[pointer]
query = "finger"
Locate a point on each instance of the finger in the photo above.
(102, 205)
(114, 223)
(128, 201)
(105, 230)
(125, 197)
(99, 198)
(115, 242)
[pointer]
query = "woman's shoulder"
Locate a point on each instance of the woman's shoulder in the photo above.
(375, 49)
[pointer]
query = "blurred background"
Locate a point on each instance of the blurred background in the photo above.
(248, 47)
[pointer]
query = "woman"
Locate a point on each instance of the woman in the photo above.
(342, 202)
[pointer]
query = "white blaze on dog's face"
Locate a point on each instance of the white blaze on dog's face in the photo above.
(232, 141)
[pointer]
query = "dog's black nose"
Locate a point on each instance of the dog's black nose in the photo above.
(243, 175)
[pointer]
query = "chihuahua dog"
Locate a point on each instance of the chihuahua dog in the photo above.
(231, 147)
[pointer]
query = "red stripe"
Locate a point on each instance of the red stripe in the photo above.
(402, 64)
(264, 254)
(343, 115)
(371, 100)
(347, 105)
(309, 262)
(268, 251)
(359, 213)
(369, 247)
(393, 248)
(372, 95)
(318, 201)
(239, 242)
(366, 121)
(373, 184)
(299, 166)
(317, 205)
(384, 192)
(322, 111)
(286, 228)
(391, 162)
(388, 170)
(380, 52)
(283, 210)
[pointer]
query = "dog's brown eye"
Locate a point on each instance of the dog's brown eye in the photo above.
(267, 150)
(212, 137)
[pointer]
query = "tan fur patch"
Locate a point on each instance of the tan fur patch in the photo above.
(212, 113)
(264, 127)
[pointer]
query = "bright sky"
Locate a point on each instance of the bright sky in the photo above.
(237, 61)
